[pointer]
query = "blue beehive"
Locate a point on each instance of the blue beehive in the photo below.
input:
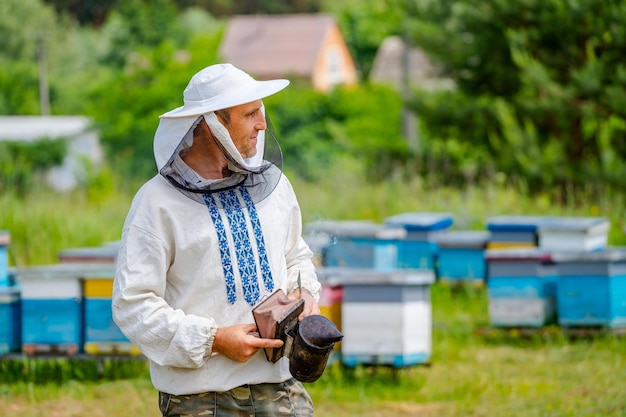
(514, 231)
(362, 244)
(521, 284)
(592, 288)
(10, 320)
(5, 239)
(462, 255)
(573, 233)
(420, 249)
(349, 243)
(51, 309)
(386, 316)
(102, 335)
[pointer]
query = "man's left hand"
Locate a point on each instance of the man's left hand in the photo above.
(310, 305)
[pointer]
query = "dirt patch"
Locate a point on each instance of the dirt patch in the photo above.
(406, 408)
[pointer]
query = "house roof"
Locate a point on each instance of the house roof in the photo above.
(29, 128)
(275, 45)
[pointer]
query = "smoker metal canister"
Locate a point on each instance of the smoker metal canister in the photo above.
(314, 340)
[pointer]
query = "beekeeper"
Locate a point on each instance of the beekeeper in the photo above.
(209, 237)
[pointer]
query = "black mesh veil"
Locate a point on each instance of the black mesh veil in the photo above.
(260, 177)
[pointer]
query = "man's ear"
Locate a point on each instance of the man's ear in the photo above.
(223, 116)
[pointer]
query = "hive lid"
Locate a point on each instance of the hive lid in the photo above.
(415, 221)
(518, 254)
(588, 225)
(75, 270)
(89, 253)
(463, 238)
(514, 223)
(344, 228)
(369, 276)
(610, 254)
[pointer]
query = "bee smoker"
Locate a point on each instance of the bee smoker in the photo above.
(313, 340)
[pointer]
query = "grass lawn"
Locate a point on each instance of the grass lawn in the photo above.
(472, 373)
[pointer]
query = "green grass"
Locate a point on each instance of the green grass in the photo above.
(472, 373)
(43, 223)
(475, 375)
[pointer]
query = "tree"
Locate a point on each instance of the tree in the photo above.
(540, 85)
(127, 106)
(23, 23)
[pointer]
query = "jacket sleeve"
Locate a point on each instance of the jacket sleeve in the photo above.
(298, 254)
(167, 336)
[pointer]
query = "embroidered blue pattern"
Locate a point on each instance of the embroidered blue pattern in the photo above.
(243, 250)
(247, 263)
(266, 272)
(229, 273)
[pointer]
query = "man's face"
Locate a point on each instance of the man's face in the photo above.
(246, 120)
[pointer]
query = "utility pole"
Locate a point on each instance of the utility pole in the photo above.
(409, 119)
(44, 94)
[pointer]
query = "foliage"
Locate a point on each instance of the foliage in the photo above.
(22, 162)
(151, 84)
(24, 26)
(94, 13)
(317, 131)
(231, 7)
(23, 22)
(142, 24)
(539, 98)
(538, 86)
(62, 370)
(365, 25)
(367, 123)
(43, 222)
(18, 88)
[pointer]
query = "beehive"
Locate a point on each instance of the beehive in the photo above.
(573, 233)
(419, 249)
(462, 256)
(592, 288)
(5, 239)
(513, 231)
(52, 303)
(386, 316)
(10, 320)
(521, 286)
(102, 335)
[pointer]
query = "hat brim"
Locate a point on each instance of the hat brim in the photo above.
(247, 93)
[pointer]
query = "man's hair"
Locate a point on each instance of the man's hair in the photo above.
(224, 114)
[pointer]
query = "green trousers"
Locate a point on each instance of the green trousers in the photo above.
(288, 399)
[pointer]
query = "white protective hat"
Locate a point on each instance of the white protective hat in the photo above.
(222, 86)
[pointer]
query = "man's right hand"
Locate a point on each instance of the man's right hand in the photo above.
(239, 343)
